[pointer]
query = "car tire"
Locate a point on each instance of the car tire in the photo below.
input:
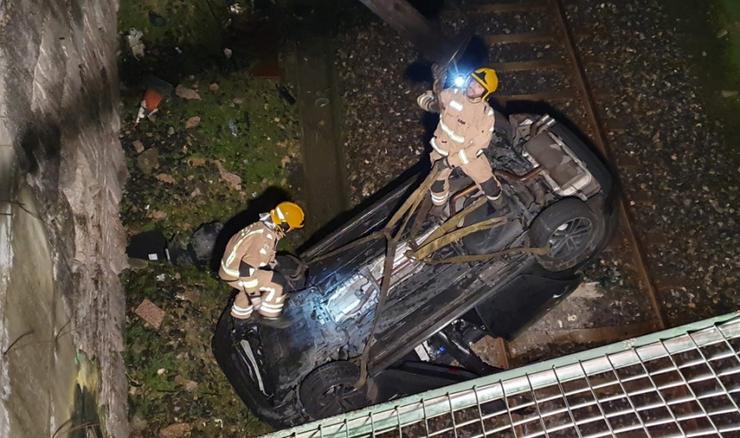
(329, 390)
(572, 232)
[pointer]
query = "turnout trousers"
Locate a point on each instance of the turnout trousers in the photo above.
(478, 169)
(260, 290)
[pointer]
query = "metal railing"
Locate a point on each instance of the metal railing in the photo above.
(683, 381)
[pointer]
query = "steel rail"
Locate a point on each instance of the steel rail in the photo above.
(601, 142)
(582, 93)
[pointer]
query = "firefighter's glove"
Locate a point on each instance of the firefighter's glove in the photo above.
(427, 101)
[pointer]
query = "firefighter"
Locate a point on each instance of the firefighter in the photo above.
(249, 258)
(464, 131)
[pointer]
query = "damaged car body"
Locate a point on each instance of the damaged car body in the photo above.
(560, 196)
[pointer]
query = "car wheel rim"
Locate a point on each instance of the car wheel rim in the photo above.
(570, 237)
(338, 398)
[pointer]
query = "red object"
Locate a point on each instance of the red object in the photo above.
(152, 99)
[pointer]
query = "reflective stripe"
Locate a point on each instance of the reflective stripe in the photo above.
(463, 156)
(263, 251)
(280, 214)
(232, 272)
(439, 150)
(241, 311)
(232, 255)
(269, 306)
(249, 283)
(439, 199)
(270, 294)
(457, 106)
(490, 112)
(493, 198)
(456, 138)
(479, 153)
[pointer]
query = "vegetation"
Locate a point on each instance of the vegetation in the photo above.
(215, 144)
(245, 129)
(172, 375)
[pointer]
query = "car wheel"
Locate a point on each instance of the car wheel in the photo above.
(570, 229)
(329, 390)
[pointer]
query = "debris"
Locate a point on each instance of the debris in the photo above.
(176, 430)
(195, 193)
(147, 161)
(150, 245)
(232, 179)
(285, 161)
(197, 161)
(591, 290)
(133, 38)
(213, 88)
(138, 146)
(192, 122)
(188, 384)
(166, 178)
(722, 33)
(228, 52)
(170, 131)
(150, 313)
(157, 215)
(203, 241)
(729, 93)
(285, 94)
(186, 93)
(233, 128)
(157, 20)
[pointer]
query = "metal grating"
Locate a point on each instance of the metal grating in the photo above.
(679, 382)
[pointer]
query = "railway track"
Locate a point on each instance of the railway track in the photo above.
(533, 46)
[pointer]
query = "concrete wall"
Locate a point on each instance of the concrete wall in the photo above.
(61, 241)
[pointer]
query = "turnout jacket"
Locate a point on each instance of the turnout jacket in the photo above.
(465, 125)
(255, 245)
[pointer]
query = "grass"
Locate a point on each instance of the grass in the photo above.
(729, 17)
(176, 23)
(244, 125)
(254, 134)
(173, 376)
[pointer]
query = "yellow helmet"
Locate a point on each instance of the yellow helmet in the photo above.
(488, 78)
(288, 213)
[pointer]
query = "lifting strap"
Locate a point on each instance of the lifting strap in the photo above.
(444, 235)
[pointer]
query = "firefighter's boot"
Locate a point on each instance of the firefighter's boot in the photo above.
(242, 307)
(278, 322)
(498, 205)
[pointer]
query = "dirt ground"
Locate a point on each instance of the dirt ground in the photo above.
(670, 125)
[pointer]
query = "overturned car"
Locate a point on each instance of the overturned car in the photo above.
(560, 201)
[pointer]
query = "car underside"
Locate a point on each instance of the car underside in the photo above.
(487, 282)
